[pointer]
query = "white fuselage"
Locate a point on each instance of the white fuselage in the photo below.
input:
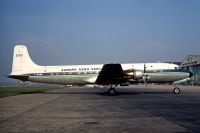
(87, 74)
(25, 69)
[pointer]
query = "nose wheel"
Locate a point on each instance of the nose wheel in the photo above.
(176, 90)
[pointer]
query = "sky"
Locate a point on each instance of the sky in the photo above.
(64, 32)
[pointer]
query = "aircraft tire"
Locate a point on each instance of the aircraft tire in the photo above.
(176, 90)
(111, 91)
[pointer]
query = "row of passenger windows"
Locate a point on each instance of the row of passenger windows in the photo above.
(62, 73)
(166, 70)
(81, 69)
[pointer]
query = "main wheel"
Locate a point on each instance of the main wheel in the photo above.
(176, 90)
(111, 91)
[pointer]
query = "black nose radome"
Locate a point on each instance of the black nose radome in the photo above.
(191, 74)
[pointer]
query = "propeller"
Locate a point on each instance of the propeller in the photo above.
(145, 76)
(144, 68)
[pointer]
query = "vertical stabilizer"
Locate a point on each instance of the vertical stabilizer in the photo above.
(22, 62)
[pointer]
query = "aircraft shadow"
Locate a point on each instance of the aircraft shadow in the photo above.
(103, 93)
(119, 93)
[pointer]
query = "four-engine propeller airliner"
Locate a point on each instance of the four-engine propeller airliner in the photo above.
(23, 68)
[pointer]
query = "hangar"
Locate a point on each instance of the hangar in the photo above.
(192, 63)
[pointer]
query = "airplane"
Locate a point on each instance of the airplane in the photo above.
(112, 75)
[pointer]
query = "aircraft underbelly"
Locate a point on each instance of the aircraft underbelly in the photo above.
(77, 80)
(165, 77)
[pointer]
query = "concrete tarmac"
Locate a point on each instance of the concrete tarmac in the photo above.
(91, 110)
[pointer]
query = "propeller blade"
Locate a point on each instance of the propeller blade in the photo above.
(145, 76)
(145, 80)
(144, 68)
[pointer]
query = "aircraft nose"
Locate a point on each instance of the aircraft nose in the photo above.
(190, 74)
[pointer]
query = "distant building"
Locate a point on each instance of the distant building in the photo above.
(192, 63)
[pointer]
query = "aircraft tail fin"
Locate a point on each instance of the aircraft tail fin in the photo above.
(22, 62)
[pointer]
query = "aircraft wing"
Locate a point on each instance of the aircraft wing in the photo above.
(110, 74)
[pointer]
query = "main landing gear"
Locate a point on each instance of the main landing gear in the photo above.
(111, 90)
(176, 90)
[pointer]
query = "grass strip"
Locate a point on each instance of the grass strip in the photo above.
(16, 90)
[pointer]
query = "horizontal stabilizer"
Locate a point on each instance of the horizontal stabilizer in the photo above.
(20, 77)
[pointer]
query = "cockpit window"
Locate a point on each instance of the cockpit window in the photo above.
(178, 68)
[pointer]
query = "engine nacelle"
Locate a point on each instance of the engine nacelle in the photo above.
(138, 75)
(135, 74)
